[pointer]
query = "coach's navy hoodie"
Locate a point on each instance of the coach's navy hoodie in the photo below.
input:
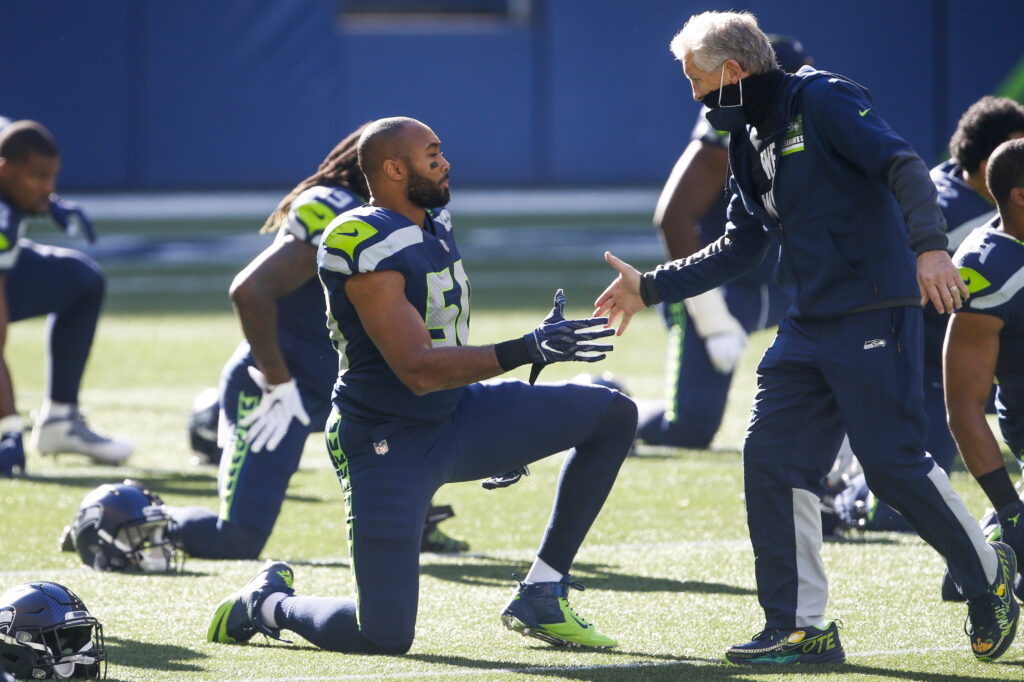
(845, 245)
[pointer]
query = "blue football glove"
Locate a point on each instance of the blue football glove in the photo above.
(71, 218)
(12, 454)
(557, 339)
(506, 479)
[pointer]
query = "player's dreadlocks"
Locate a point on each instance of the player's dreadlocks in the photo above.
(339, 169)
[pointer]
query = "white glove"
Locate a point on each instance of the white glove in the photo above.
(270, 419)
(725, 351)
(724, 336)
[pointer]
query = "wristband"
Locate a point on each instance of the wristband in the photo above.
(511, 354)
(649, 293)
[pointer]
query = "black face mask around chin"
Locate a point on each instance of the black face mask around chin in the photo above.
(725, 108)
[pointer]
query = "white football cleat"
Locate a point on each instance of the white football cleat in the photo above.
(72, 434)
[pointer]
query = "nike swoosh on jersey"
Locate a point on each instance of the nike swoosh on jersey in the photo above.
(864, 112)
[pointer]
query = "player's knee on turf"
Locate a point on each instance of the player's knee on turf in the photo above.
(241, 542)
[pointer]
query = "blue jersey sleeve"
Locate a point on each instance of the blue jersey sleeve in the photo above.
(10, 231)
(992, 265)
(313, 210)
(703, 132)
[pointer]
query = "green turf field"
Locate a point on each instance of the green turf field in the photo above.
(668, 566)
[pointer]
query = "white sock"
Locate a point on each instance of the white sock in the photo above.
(268, 606)
(540, 572)
(51, 409)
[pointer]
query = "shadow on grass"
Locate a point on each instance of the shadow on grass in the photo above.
(667, 667)
(163, 483)
(486, 571)
(127, 653)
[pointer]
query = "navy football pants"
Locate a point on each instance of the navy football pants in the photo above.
(860, 374)
(695, 392)
(68, 286)
(390, 472)
(252, 485)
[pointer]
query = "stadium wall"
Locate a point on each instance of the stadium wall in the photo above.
(236, 94)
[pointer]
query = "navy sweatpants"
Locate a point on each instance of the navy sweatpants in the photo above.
(252, 485)
(389, 473)
(695, 392)
(68, 286)
(860, 374)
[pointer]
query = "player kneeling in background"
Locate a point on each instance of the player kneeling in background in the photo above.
(38, 280)
(984, 342)
(276, 388)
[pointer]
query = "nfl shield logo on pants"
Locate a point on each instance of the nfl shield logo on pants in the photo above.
(381, 447)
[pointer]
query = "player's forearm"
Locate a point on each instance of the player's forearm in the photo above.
(437, 369)
(6, 390)
(258, 317)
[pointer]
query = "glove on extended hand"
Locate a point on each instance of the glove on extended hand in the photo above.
(269, 420)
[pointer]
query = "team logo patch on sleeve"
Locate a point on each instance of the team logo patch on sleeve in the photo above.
(349, 235)
(315, 216)
(973, 279)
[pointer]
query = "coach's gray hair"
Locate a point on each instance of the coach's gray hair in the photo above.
(714, 37)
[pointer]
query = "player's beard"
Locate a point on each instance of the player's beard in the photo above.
(426, 193)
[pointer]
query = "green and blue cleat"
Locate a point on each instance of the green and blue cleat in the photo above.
(237, 617)
(806, 645)
(541, 610)
(992, 618)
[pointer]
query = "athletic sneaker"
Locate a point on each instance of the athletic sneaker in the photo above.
(788, 647)
(541, 610)
(993, 616)
(436, 540)
(237, 618)
(73, 434)
(1007, 527)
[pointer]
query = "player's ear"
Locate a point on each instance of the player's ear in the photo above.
(394, 169)
(1017, 197)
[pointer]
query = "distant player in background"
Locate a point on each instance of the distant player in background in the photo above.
(37, 280)
(413, 412)
(985, 342)
(276, 388)
(966, 204)
(707, 333)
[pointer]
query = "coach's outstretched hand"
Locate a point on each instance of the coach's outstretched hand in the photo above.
(71, 218)
(269, 420)
(558, 339)
(622, 297)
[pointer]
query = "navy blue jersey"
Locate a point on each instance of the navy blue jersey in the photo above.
(992, 264)
(12, 229)
(301, 319)
(373, 239)
(964, 210)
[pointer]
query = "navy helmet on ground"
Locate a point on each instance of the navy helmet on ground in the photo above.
(123, 526)
(46, 632)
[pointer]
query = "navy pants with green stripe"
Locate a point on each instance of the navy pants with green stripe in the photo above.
(251, 485)
(389, 472)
